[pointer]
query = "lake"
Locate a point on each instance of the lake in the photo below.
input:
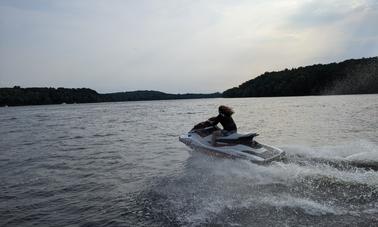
(121, 164)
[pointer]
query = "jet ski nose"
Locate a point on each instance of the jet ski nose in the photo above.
(185, 138)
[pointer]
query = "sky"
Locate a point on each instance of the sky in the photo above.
(176, 46)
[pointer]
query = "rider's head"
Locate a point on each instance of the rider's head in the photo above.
(225, 110)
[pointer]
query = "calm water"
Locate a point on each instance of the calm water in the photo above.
(121, 164)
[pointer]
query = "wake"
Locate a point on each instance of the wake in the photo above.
(360, 154)
(322, 185)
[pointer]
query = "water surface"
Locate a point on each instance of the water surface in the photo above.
(121, 164)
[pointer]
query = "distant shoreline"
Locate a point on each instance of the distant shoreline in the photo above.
(350, 77)
(18, 96)
(353, 76)
(288, 96)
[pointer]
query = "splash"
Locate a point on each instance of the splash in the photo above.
(362, 154)
(212, 190)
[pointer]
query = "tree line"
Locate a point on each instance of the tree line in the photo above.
(18, 96)
(355, 76)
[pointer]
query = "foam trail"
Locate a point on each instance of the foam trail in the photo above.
(359, 153)
(309, 206)
(210, 188)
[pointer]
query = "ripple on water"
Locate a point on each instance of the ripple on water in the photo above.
(87, 165)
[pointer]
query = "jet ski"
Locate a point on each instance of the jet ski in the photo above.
(232, 146)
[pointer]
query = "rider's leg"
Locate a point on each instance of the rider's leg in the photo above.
(216, 134)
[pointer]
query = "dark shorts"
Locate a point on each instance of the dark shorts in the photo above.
(227, 133)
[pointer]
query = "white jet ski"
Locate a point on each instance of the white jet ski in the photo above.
(233, 146)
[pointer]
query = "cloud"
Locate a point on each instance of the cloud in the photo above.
(175, 45)
(348, 26)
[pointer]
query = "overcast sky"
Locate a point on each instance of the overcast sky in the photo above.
(176, 46)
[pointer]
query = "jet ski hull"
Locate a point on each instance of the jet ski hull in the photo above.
(257, 153)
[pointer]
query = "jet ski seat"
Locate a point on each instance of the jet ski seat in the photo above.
(237, 136)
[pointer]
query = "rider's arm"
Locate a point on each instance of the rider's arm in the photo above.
(214, 120)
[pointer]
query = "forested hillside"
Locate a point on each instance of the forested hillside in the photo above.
(18, 96)
(348, 77)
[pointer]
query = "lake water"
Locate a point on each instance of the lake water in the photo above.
(121, 164)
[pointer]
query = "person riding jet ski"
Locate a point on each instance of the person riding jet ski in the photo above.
(225, 119)
(208, 138)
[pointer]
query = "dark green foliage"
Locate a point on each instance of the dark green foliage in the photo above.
(18, 96)
(348, 77)
(153, 95)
